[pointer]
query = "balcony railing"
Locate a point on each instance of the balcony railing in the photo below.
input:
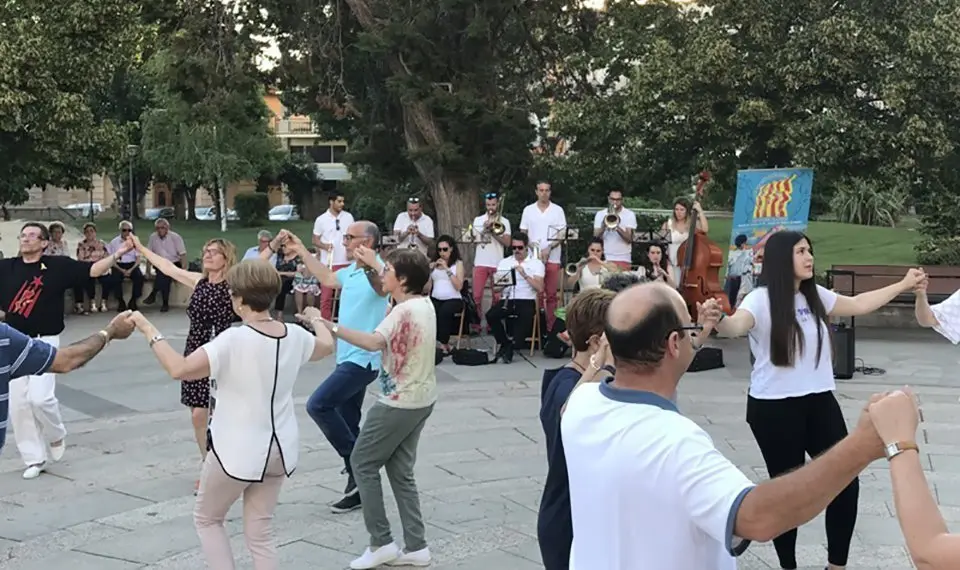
(294, 126)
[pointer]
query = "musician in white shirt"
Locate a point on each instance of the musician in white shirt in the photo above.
(489, 251)
(522, 278)
(617, 241)
(546, 224)
(414, 228)
(328, 231)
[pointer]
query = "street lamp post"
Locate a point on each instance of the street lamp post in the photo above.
(132, 151)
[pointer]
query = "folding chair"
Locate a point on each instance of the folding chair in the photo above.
(460, 333)
(536, 338)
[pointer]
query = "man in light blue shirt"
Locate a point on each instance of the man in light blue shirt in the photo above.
(336, 404)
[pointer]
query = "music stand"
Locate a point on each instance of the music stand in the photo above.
(504, 279)
(388, 241)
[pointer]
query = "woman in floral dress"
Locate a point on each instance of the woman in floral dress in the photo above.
(92, 249)
(57, 245)
(306, 287)
(210, 312)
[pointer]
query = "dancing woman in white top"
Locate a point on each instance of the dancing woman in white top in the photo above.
(254, 440)
(791, 408)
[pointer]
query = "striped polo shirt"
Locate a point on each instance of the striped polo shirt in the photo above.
(20, 355)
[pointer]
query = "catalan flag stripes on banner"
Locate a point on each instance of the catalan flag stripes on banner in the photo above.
(772, 199)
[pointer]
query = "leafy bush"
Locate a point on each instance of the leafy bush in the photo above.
(939, 251)
(859, 201)
(252, 208)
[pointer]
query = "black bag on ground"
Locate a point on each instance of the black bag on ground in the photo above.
(470, 357)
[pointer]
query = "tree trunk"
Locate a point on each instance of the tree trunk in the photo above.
(223, 207)
(191, 198)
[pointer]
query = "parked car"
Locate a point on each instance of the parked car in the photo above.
(83, 210)
(166, 213)
(283, 213)
(209, 214)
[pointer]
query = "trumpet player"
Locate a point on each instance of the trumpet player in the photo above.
(546, 224)
(413, 228)
(616, 225)
(328, 231)
(491, 231)
(522, 275)
(591, 271)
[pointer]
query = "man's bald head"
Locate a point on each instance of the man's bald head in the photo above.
(366, 231)
(642, 322)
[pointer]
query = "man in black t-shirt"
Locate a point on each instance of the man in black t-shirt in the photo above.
(32, 288)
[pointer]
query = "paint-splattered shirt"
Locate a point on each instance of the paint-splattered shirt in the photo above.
(408, 377)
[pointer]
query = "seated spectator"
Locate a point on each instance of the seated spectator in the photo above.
(57, 245)
(444, 286)
(287, 261)
(264, 238)
(306, 286)
(91, 248)
(168, 245)
(128, 267)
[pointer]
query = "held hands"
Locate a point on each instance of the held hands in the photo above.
(121, 327)
(136, 244)
(709, 313)
(914, 278)
(895, 417)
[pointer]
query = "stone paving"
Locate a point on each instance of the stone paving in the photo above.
(121, 499)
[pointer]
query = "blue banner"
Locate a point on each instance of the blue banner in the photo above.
(768, 201)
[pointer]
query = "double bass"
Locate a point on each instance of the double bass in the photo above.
(701, 260)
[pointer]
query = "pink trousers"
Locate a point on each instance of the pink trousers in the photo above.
(218, 492)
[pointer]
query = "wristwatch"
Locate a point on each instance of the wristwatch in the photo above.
(335, 329)
(896, 448)
(157, 338)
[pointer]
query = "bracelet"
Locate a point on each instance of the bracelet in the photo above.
(609, 368)
(106, 337)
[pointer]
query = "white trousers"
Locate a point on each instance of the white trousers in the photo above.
(35, 413)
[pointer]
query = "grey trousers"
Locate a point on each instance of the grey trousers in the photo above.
(389, 438)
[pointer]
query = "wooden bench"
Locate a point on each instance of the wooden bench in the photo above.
(944, 280)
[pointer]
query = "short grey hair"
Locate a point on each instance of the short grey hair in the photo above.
(371, 231)
(161, 222)
(125, 224)
(264, 234)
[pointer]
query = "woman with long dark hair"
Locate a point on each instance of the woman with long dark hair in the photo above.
(654, 266)
(444, 286)
(791, 408)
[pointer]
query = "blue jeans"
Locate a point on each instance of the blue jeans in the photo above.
(336, 405)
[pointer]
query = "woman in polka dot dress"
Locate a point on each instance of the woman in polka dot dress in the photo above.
(210, 312)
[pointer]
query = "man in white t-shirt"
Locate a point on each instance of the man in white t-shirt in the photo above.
(489, 252)
(648, 488)
(328, 231)
(546, 224)
(943, 317)
(413, 228)
(618, 241)
(521, 278)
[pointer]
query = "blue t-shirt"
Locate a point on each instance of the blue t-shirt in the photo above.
(361, 309)
(554, 521)
(20, 355)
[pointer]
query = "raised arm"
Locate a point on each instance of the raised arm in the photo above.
(192, 367)
(326, 276)
(104, 266)
(868, 302)
(180, 275)
(735, 325)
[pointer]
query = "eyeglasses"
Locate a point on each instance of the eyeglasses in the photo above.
(443, 249)
(413, 200)
(694, 329)
(211, 251)
(125, 231)
(491, 195)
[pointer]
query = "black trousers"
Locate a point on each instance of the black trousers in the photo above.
(520, 312)
(90, 289)
(788, 429)
(161, 284)
(285, 289)
(448, 324)
(136, 276)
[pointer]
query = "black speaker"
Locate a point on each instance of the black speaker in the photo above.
(707, 358)
(844, 352)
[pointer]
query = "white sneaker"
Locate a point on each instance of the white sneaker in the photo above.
(416, 558)
(34, 471)
(373, 558)
(57, 451)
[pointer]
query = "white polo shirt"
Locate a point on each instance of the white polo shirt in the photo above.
(615, 248)
(948, 317)
(542, 226)
(648, 489)
(424, 224)
(329, 231)
(522, 290)
(490, 251)
(807, 375)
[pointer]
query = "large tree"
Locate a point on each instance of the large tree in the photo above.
(436, 94)
(54, 55)
(210, 127)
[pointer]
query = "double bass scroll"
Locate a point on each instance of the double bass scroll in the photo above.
(701, 262)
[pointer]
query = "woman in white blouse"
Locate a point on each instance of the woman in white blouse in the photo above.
(655, 267)
(446, 281)
(253, 435)
(592, 270)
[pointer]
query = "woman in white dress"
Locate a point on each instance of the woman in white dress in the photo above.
(253, 435)
(592, 270)
(654, 266)
(676, 230)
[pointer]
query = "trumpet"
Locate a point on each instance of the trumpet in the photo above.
(330, 259)
(498, 228)
(533, 251)
(574, 268)
(611, 220)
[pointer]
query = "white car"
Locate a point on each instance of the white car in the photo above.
(283, 213)
(83, 210)
(208, 214)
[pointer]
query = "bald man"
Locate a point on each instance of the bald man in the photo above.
(648, 488)
(336, 404)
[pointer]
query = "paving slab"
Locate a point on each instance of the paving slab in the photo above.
(122, 497)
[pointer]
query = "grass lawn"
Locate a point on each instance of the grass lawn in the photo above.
(838, 244)
(833, 243)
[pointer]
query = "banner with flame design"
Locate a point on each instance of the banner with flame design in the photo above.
(768, 201)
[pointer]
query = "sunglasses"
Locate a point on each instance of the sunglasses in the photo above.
(443, 249)
(125, 231)
(338, 225)
(491, 195)
(413, 200)
(519, 247)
